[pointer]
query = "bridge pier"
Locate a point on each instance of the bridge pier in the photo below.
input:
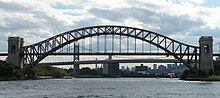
(206, 54)
(15, 51)
(111, 69)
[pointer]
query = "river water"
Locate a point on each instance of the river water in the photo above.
(109, 88)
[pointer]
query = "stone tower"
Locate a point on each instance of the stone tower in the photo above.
(206, 54)
(15, 45)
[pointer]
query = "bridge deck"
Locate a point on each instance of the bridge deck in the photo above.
(115, 61)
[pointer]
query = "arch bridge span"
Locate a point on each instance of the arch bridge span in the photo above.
(33, 54)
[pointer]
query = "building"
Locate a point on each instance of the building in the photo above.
(162, 68)
(133, 69)
(169, 66)
(111, 69)
(127, 69)
(175, 66)
(141, 69)
(154, 66)
(123, 68)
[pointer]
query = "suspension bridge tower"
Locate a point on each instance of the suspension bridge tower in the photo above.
(15, 51)
(206, 54)
(76, 57)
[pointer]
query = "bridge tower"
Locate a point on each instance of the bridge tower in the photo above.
(15, 57)
(206, 54)
(76, 58)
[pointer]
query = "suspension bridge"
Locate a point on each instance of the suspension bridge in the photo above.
(111, 40)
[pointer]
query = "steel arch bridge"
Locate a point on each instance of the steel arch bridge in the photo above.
(33, 54)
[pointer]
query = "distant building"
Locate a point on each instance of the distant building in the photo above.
(123, 68)
(162, 68)
(127, 69)
(133, 69)
(141, 69)
(175, 66)
(111, 69)
(169, 66)
(154, 66)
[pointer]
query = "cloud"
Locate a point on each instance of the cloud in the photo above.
(195, 1)
(163, 23)
(112, 15)
(38, 20)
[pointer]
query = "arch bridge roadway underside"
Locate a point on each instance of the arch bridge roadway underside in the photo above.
(33, 54)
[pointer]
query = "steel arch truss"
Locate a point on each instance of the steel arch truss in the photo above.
(186, 54)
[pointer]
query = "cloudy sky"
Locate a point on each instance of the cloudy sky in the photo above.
(36, 20)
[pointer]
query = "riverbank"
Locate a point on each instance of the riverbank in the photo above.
(70, 77)
(201, 79)
(38, 78)
(209, 78)
(9, 79)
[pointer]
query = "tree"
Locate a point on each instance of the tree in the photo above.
(88, 71)
(47, 70)
(10, 71)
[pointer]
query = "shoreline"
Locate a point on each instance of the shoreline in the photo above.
(200, 79)
(70, 77)
(11, 79)
(16, 79)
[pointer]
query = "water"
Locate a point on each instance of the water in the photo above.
(109, 88)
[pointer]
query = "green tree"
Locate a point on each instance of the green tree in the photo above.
(88, 71)
(47, 70)
(10, 71)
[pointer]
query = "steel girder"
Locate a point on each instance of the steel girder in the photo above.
(33, 54)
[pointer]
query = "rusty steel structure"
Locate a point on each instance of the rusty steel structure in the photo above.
(186, 54)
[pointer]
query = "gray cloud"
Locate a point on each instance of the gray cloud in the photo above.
(12, 7)
(20, 20)
(112, 15)
(168, 24)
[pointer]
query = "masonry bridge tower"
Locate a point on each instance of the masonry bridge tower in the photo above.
(15, 50)
(206, 54)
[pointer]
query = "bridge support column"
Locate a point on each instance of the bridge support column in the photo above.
(111, 69)
(76, 58)
(15, 51)
(206, 54)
